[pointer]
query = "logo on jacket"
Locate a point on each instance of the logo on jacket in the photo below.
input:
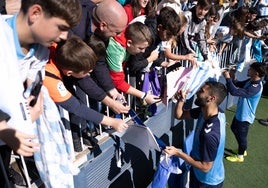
(62, 89)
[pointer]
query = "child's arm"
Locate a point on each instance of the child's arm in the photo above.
(91, 88)
(62, 97)
(73, 105)
(153, 56)
(116, 106)
(177, 57)
(122, 85)
(252, 35)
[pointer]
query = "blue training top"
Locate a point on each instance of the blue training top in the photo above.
(249, 93)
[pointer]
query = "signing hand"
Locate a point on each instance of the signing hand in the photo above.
(171, 150)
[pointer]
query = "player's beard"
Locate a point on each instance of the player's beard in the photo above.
(200, 101)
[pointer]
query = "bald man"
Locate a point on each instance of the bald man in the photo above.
(105, 19)
(109, 19)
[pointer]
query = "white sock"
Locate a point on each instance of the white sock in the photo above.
(240, 156)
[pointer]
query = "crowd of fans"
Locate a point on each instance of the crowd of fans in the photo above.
(99, 54)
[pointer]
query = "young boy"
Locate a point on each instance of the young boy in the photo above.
(74, 58)
(164, 26)
(137, 39)
(24, 41)
(249, 92)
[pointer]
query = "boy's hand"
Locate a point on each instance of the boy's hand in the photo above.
(153, 56)
(114, 94)
(24, 145)
(190, 56)
(118, 107)
(165, 64)
(150, 99)
(118, 124)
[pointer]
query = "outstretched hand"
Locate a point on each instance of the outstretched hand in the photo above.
(118, 124)
(119, 107)
(150, 99)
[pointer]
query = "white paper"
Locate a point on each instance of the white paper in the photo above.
(176, 80)
(189, 79)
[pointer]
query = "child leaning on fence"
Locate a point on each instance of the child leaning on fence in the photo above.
(65, 60)
(138, 38)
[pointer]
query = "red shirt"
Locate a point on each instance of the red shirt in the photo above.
(129, 11)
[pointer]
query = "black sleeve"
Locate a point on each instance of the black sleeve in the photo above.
(73, 105)
(240, 83)
(139, 61)
(102, 76)
(151, 23)
(195, 112)
(160, 59)
(83, 28)
(3, 7)
(4, 116)
(90, 87)
(201, 40)
(136, 63)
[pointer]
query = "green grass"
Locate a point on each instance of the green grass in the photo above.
(253, 172)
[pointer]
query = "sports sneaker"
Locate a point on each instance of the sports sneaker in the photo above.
(235, 158)
(263, 122)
